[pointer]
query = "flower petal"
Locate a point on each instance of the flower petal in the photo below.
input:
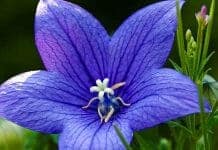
(91, 134)
(42, 101)
(71, 41)
(142, 42)
(162, 95)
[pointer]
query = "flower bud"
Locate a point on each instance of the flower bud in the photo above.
(194, 45)
(202, 16)
(191, 40)
(164, 144)
(188, 35)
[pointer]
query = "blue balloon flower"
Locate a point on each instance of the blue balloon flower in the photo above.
(94, 81)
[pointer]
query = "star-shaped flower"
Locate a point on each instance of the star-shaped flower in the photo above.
(94, 81)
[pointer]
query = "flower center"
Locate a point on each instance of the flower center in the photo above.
(108, 103)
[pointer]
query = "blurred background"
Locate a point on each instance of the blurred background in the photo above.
(17, 49)
(19, 54)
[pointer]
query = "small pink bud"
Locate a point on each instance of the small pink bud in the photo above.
(202, 16)
(203, 12)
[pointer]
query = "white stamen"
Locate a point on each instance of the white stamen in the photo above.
(102, 88)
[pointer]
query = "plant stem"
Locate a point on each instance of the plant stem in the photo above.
(180, 141)
(180, 37)
(123, 140)
(209, 30)
(202, 114)
(199, 48)
(196, 69)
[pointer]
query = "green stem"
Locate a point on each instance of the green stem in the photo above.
(180, 38)
(209, 30)
(194, 124)
(199, 48)
(202, 114)
(121, 136)
(193, 144)
(180, 141)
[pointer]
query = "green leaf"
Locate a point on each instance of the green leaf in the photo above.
(175, 65)
(144, 145)
(212, 83)
(204, 62)
(176, 124)
(146, 139)
(200, 144)
(208, 79)
(213, 118)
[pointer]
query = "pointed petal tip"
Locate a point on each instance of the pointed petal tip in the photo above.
(24, 101)
(42, 4)
(47, 1)
(53, 19)
(147, 33)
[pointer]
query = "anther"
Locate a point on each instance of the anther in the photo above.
(118, 85)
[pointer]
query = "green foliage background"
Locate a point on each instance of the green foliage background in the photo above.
(19, 54)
